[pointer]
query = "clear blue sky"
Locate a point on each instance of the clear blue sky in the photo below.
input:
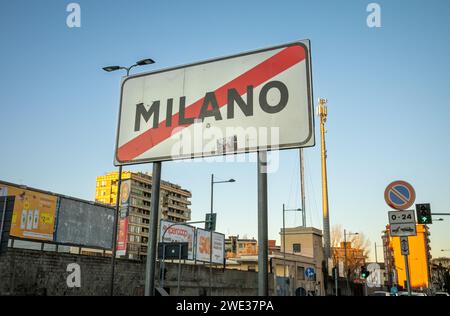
(388, 92)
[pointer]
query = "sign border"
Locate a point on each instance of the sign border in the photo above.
(306, 44)
(406, 205)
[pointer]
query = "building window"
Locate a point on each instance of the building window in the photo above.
(300, 273)
(296, 248)
(251, 268)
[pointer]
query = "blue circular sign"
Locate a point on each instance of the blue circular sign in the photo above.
(310, 273)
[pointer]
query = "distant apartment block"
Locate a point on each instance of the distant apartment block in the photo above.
(174, 206)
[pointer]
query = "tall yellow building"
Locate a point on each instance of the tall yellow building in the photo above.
(418, 259)
(135, 208)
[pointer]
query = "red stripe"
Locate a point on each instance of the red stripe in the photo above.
(259, 74)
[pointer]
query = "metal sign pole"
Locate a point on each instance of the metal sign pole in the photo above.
(162, 265)
(406, 252)
(336, 275)
(179, 270)
(302, 183)
(152, 234)
(263, 253)
(284, 243)
(211, 236)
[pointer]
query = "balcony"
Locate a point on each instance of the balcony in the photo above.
(184, 215)
(178, 207)
(181, 200)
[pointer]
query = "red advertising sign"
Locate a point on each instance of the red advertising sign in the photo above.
(122, 237)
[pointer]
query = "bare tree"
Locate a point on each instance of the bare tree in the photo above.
(358, 248)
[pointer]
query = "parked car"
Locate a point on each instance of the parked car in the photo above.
(412, 294)
(380, 293)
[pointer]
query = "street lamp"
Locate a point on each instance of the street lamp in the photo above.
(211, 231)
(284, 235)
(142, 62)
(345, 256)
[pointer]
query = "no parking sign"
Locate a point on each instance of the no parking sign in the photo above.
(400, 195)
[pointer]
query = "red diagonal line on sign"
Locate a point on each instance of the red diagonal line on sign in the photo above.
(259, 74)
(399, 195)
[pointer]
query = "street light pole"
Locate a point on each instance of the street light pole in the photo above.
(116, 221)
(284, 236)
(211, 230)
(142, 62)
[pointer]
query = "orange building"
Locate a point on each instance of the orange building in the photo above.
(418, 259)
(235, 247)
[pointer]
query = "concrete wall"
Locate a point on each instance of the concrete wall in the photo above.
(31, 272)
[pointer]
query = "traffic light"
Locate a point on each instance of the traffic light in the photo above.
(210, 222)
(234, 244)
(424, 214)
(364, 272)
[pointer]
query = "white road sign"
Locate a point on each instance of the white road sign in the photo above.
(402, 223)
(402, 217)
(402, 230)
(242, 103)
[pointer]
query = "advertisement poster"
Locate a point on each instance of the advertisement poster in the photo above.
(34, 213)
(125, 190)
(122, 236)
(203, 246)
(178, 233)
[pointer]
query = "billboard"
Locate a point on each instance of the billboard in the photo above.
(178, 233)
(122, 236)
(34, 213)
(242, 103)
(203, 246)
(85, 224)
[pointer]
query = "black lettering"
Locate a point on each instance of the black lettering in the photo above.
(234, 96)
(182, 120)
(169, 112)
(284, 97)
(210, 98)
(146, 114)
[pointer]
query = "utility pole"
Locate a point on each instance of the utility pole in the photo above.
(376, 257)
(323, 112)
